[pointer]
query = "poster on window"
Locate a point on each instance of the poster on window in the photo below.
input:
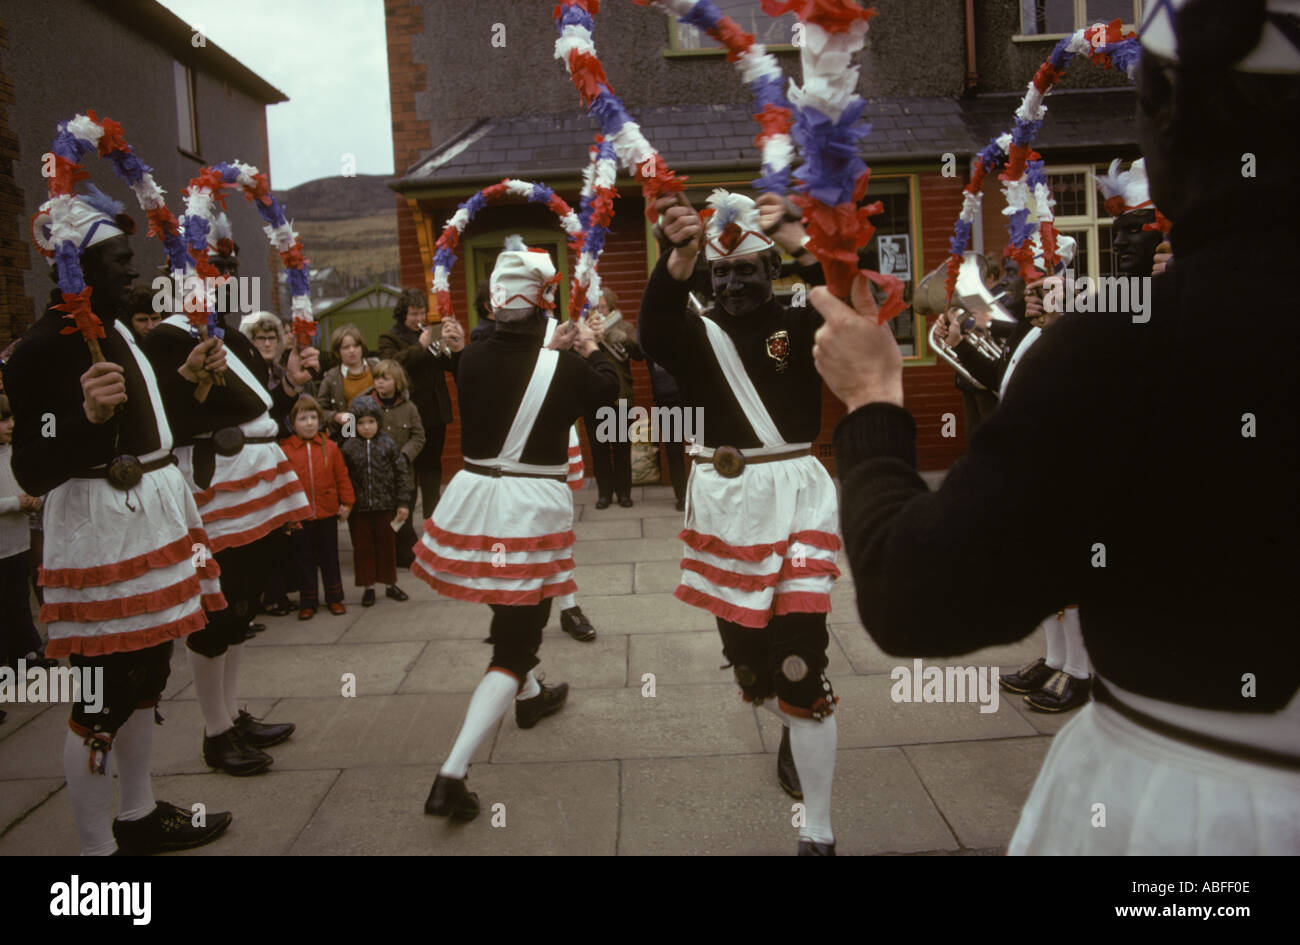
(895, 256)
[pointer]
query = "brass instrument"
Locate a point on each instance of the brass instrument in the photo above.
(970, 297)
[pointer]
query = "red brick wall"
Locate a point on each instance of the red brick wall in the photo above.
(402, 18)
(16, 311)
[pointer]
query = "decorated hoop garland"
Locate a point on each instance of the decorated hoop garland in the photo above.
(444, 257)
(761, 72)
(575, 48)
(595, 213)
(828, 129)
(1023, 174)
(208, 188)
(74, 140)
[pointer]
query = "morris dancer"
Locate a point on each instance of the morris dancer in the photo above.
(761, 521)
(245, 488)
(503, 532)
(121, 581)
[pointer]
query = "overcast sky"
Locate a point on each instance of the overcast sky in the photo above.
(330, 57)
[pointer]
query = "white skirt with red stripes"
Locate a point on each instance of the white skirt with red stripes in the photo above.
(252, 493)
(575, 473)
(125, 571)
(761, 544)
(506, 540)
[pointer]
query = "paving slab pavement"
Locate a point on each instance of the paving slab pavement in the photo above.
(673, 764)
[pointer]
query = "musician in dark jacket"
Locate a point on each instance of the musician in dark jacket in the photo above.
(1135, 469)
(427, 353)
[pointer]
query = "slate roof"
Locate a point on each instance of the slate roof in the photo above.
(715, 137)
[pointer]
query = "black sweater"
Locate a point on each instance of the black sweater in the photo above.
(494, 373)
(676, 339)
(43, 381)
(226, 405)
(425, 372)
(1125, 435)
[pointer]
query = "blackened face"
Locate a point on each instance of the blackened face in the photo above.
(1135, 248)
(1013, 285)
(741, 283)
(108, 271)
(1156, 120)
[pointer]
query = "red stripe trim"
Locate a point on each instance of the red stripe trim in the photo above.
(508, 598)
(214, 602)
(163, 557)
(126, 642)
(555, 540)
(436, 562)
(255, 505)
(802, 713)
(714, 545)
(813, 567)
(239, 485)
(86, 611)
(800, 602)
(263, 528)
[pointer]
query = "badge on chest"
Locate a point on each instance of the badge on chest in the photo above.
(778, 349)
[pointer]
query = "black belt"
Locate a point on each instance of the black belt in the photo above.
(1222, 746)
(731, 462)
(496, 472)
(151, 466)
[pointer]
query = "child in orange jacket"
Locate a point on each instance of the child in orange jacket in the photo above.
(324, 475)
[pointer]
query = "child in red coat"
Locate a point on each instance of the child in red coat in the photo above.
(320, 466)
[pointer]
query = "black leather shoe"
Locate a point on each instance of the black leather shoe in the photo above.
(529, 712)
(282, 609)
(260, 735)
(681, 505)
(624, 502)
(229, 752)
(603, 502)
(1029, 678)
(168, 828)
(368, 597)
(810, 848)
(1062, 693)
(256, 627)
(786, 775)
(575, 623)
(450, 797)
(396, 593)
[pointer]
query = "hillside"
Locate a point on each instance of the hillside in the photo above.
(349, 223)
(338, 198)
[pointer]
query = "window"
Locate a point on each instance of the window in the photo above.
(773, 32)
(1041, 19)
(187, 119)
(1079, 212)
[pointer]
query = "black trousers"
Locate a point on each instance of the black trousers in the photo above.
(317, 546)
(787, 658)
(243, 571)
(517, 636)
(613, 476)
(675, 448)
(428, 476)
(18, 635)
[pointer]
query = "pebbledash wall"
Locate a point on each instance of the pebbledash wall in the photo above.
(118, 60)
(447, 79)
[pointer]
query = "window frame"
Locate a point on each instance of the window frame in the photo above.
(1080, 21)
(673, 51)
(493, 239)
(182, 72)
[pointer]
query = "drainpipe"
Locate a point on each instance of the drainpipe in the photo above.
(972, 70)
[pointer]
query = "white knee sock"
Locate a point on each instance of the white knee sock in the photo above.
(530, 688)
(133, 750)
(772, 706)
(1055, 642)
(209, 675)
(566, 601)
(491, 701)
(91, 796)
(813, 745)
(230, 678)
(1076, 657)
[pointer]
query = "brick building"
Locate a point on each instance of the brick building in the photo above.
(477, 95)
(182, 103)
